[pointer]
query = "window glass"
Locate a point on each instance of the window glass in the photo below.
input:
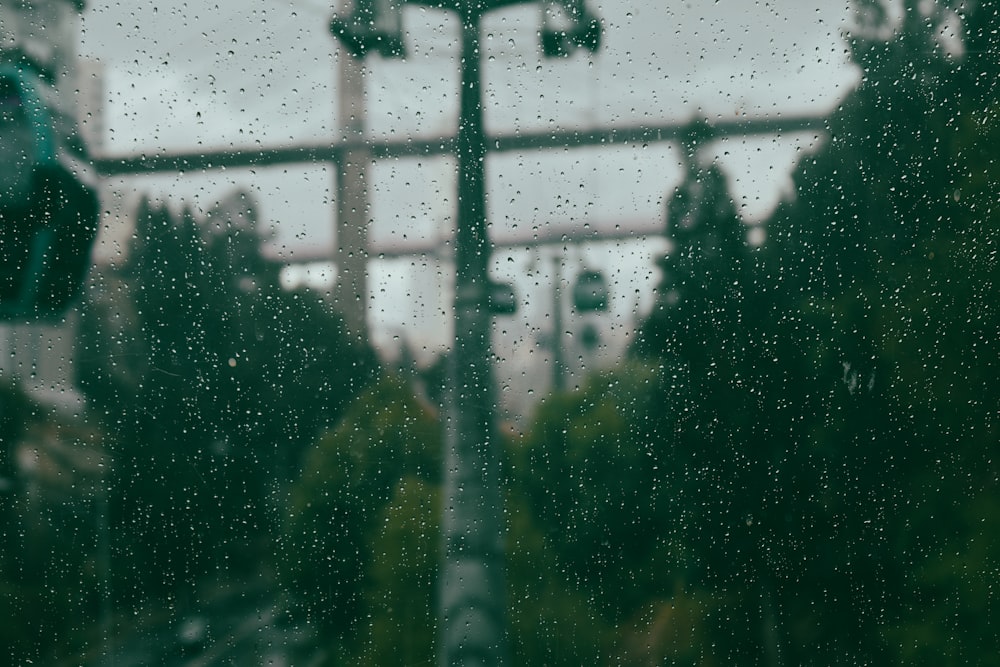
(500, 332)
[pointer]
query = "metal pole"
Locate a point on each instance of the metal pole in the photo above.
(351, 290)
(473, 596)
(104, 570)
(558, 365)
(190, 163)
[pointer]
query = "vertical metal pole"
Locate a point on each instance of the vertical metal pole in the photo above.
(558, 364)
(351, 290)
(473, 596)
(104, 570)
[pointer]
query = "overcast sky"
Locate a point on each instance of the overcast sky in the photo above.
(263, 70)
(182, 76)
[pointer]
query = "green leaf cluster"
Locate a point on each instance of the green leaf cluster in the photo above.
(211, 381)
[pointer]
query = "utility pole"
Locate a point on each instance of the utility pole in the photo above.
(353, 213)
(473, 591)
(558, 363)
(472, 586)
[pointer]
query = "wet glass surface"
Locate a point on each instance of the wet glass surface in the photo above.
(542, 333)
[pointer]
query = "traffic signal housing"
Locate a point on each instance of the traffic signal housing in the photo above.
(48, 202)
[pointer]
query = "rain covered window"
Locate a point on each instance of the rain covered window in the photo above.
(497, 332)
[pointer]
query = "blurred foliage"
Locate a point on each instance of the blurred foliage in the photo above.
(49, 510)
(596, 481)
(555, 619)
(212, 380)
(347, 505)
(362, 546)
(837, 448)
(400, 594)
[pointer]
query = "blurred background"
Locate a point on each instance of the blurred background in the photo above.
(743, 358)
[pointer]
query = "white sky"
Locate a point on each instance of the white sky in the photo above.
(263, 70)
(181, 76)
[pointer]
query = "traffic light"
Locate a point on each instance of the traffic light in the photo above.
(48, 203)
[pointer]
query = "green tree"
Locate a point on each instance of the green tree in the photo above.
(898, 216)
(404, 548)
(212, 380)
(837, 388)
(555, 615)
(596, 482)
(49, 554)
(588, 491)
(354, 551)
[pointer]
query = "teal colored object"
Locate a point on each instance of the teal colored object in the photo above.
(27, 143)
(38, 116)
(48, 210)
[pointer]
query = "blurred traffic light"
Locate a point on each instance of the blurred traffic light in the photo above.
(48, 202)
